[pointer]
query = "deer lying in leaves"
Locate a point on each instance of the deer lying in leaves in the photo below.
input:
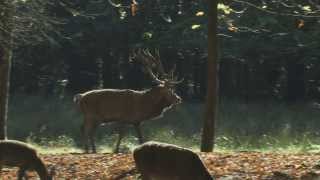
(19, 154)
(161, 161)
(125, 105)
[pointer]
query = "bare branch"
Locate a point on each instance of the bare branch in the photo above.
(117, 5)
(317, 5)
(278, 13)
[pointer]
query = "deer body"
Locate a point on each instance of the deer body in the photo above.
(19, 154)
(160, 161)
(124, 106)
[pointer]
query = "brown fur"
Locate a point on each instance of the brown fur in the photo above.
(19, 154)
(161, 161)
(125, 106)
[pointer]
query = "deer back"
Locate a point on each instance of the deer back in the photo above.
(165, 161)
(14, 153)
(18, 154)
(127, 105)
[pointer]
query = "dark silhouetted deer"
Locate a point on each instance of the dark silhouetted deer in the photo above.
(161, 161)
(126, 105)
(19, 154)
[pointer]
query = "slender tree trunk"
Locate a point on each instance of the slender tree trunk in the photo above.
(5, 62)
(5, 67)
(207, 141)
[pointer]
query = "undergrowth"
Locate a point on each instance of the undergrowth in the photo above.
(54, 125)
(266, 143)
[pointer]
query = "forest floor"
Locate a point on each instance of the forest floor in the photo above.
(236, 165)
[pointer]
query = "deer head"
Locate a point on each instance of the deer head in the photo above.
(166, 81)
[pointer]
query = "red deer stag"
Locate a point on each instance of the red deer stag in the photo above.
(126, 105)
(19, 154)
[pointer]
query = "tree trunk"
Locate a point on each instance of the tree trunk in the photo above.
(5, 62)
(207, 141)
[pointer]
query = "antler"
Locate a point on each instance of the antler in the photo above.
(174, 79)
(170, 77)
(158, 62)
(150, 62)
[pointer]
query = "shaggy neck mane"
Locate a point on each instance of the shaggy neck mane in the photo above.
(155, 103)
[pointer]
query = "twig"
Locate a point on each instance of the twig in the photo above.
(274, 12)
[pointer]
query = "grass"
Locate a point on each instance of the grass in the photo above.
(304, 144)
(53, 126)
(59, 145)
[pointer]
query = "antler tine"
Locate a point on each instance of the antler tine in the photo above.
(159, 63)
(147, 60)
(154, 77)
(176, 82)
(155, 61)
(148, 52)
(149, 55)
(172, 71)
(157, 53)
(144, 51)
(132, 54)
(173, 78)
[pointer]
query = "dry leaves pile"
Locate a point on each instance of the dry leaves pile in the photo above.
(240, 165)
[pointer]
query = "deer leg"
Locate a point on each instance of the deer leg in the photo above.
(22, 173)
(120, 136)
(91, 137)
(85, 138)
(87, 131)
(139, 134)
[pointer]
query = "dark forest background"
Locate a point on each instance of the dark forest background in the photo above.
(269, 68)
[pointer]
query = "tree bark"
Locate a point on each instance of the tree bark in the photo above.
(208, 131)
(5, 68)
(6, 10)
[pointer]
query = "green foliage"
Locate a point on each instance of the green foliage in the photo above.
(263, 47)
(268, 126)
(266, 143)
(42, 117)
(56, 145)
(60, 141)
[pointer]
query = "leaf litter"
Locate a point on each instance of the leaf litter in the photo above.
(236, 165)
